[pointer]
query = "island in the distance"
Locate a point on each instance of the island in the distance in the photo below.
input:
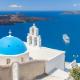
(13, 18)
(71, 12)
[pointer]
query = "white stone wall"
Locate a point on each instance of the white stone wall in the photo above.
(57, 62)
(15, 71)
(13, 58)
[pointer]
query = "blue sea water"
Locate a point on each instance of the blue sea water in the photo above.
(51, 31)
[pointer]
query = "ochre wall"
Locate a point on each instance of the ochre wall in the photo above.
(27, 71)
(31, 70)
(5, 73)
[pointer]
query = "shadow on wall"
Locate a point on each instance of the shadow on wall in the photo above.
(27, 71)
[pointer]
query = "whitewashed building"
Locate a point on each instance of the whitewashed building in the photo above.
(18, 54)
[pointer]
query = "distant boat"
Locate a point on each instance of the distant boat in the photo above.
(66, 38)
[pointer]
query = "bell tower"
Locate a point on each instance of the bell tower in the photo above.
(33, 38)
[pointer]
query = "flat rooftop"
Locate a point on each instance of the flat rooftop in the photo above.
(57, 75)
(44, 53)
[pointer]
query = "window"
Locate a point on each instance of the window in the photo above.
(35, 41)
(22, 59)
(30, 58)
(30, 40)
(32, 31)
(8, 61)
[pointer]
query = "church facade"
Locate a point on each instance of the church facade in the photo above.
(28, 60)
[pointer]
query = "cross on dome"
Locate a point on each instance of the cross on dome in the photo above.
(10, 33)
(34, 24)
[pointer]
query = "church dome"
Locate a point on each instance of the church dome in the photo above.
(11, 45)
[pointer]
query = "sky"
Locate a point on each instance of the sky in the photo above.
(39, 5)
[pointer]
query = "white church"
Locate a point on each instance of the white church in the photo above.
(30, 60)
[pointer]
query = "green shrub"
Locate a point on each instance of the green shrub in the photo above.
(75, 73)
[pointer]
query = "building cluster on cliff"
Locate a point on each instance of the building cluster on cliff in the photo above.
(30, 60)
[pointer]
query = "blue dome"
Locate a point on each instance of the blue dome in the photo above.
(11, 46)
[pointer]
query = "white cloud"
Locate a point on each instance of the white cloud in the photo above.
(76, 5)
(15, 6)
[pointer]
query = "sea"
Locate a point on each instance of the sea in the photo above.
(52, 30)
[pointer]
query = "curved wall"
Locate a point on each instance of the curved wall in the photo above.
(6, 60)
